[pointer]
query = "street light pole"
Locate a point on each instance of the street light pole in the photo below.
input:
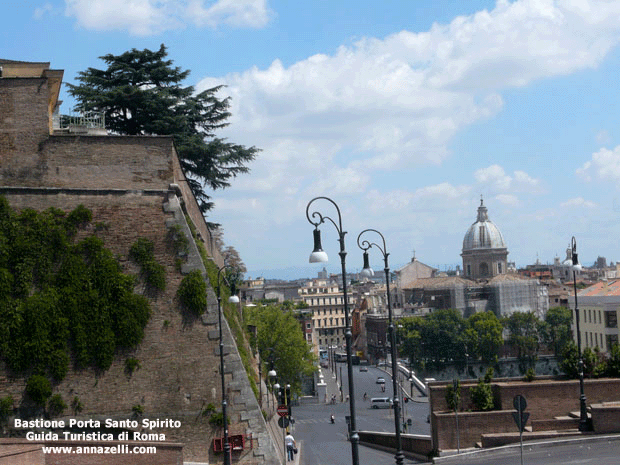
(365, 245)
(232, 299)
(583, 411)
(318, 256)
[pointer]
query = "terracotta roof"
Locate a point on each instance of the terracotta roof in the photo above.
(602, 288)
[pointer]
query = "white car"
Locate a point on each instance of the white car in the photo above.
(380, 380)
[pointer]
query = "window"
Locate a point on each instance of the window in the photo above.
(468, 270)
(308, 326)
(499, 268)
(484, 269)
(611, 319)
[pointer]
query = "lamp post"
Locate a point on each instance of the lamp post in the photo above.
(319, 256)
(232, 299)
(365, 245)
(583, 412)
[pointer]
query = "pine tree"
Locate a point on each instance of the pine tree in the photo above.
(141, 93)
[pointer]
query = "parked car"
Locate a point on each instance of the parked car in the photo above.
(363, 368)
(380, 380)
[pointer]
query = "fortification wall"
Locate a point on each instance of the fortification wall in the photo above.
(179, 356)
(23, 126)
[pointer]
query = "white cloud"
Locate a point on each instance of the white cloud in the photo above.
(150, 17)
(39, 12)
(508, 199)
(495, 178)
(396, 103)
(578, 202)
(604, 165)
(237, 13)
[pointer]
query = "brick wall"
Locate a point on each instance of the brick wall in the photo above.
(23, 126)
(129, 183)
(546, 399)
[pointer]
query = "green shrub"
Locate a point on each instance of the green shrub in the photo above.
(217, 419)
(6, 408)
(131, 365)
(482, 396)
(76, 405)
(208, 410)
(154, 273)
(39, 389)
(192, 293)
(453, 397)
(137, 410)
(56, 405)
(488, 376)
(530, 375)
(59, 364)
(61, 300)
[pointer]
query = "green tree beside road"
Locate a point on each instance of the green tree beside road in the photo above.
(279, 338)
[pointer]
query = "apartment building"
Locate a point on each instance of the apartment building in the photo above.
(326, 302)
(599, 306)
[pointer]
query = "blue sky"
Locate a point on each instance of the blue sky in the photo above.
(403, 112)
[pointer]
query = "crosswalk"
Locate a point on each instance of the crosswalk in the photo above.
(317, 421)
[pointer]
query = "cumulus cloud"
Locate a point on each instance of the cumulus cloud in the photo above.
(495, 178)
(578, 202)
(396, 103)
(149, 17)
(604, 165)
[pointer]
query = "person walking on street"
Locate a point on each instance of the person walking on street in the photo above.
(291, 445)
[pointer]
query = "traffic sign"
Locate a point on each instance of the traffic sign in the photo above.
(283, 422)
(519, 403)
(520, 416)
(520, 420)
(282, 410)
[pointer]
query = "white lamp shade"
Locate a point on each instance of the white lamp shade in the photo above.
(233, 299)
(318, 257)
(272, 373)
(367, 272)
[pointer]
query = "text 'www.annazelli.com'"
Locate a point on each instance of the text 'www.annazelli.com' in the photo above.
(117, 449)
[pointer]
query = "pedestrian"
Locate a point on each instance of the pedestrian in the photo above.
(291, 446)
(365, 397)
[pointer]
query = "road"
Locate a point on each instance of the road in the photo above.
(327, 444)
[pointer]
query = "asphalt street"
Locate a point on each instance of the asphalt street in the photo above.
(323, 443)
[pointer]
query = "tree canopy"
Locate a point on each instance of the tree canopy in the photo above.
(280, 339)
(141, 93)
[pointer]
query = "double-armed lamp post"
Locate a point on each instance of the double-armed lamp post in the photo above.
(319, 256)
(231, 299)
(367, 271)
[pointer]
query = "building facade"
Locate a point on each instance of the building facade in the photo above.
(325, 301)
(599, 306)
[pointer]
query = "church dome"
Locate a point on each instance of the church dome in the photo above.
(483, 234)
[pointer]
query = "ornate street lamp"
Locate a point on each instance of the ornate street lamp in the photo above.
(573, 261)
(365, 245)
(231, 299)
(319, 256)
